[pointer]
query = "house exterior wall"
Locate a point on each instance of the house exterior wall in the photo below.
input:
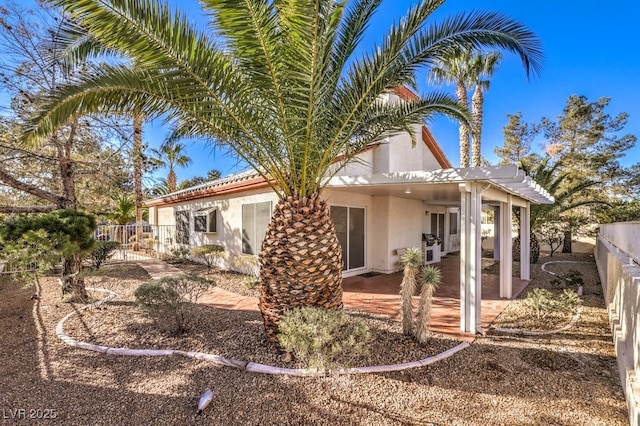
(405, 228)
(228, 219)
(364, 165)
(391, 223)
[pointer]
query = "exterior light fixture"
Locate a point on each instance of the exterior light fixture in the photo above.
(407, 191)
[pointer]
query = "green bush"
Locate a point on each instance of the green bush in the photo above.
(208, 253)
(180, 253)
(103, 251)
(325, 339)
(250, 282)
(542, 302)
(171, 299)
(37, 242)
(569, 300)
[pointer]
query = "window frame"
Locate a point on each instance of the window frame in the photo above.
(254, 227)
(211, 220)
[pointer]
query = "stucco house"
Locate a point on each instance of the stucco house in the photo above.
(396, 196)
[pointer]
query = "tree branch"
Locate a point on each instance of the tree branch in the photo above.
(27, 209)
(30, 189)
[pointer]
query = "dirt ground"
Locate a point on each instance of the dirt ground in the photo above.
(569, 378)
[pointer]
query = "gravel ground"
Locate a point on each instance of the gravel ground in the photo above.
(565, 379)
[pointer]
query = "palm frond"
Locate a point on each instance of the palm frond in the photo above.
(280, 83)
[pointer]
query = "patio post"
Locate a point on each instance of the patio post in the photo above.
(506, 249)
(496, 233)
(470, 257)
(525, 243)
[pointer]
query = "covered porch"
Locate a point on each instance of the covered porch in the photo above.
(380, 294)
(467, 296)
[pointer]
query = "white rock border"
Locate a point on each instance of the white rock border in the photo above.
(574, 319)
(230, 362)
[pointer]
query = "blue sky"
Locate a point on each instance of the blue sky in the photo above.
(590, 49)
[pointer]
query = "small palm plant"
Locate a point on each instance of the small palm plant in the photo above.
(410, 261)
(429, 277)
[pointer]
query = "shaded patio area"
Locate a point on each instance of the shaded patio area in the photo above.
(380, 294)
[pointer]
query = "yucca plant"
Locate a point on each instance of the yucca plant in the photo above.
(410, 262)
(279, 83)
(429, 278)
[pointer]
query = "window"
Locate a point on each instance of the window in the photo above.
(204, 220)
(350, 229)
(453, 223)
(255, 219)
(182, 227)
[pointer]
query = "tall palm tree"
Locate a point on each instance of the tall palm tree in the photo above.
(456, 68)
(281, 85)
(170, 155)
(483, 66)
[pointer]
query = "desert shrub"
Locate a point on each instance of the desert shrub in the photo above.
(325, 339)
(171, 299)
(429, 278)
(208, 253)
(571, 278)
(180, 253)
(410, 262)
(542, 302)
(148, 243)
(569, 300)
(103, 251)
(251, 267)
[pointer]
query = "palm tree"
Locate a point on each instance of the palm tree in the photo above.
(123, 213)
(456, 68)
(282, 87)
(170, 155)
(548, 177)
(484, 65)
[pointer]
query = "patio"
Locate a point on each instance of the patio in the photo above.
(379, 294)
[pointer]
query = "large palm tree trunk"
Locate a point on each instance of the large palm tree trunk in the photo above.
(477, 101)
(463, 130)
(301, 260)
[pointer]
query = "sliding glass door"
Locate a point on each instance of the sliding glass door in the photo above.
(350, 225)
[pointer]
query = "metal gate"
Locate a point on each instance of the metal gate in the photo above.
(139, 242)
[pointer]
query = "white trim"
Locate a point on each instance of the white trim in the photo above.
(525, 243)
(508, 178)
(506, 248)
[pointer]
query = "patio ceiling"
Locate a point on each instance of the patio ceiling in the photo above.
(442, 186)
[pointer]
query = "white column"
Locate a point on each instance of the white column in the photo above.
(506, 249)
(470, 257)
(496, 233)
(465, 200)
(476, 248)
(525, 243)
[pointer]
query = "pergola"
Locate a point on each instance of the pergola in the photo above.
(500, 188)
